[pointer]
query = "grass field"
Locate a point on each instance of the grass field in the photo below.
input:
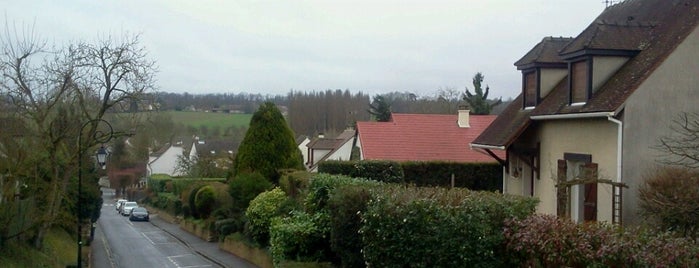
(210, 120)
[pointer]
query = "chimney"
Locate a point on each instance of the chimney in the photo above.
(463, 117)
(321, 135)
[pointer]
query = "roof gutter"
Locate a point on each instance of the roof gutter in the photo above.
(571, 116)
(485, 146)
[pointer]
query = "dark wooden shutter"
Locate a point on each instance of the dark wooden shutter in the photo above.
(589, 172)
(562, 190)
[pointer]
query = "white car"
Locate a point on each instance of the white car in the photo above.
(119, 203)
(127, 207)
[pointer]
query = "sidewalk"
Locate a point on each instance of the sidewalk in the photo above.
(209, 250)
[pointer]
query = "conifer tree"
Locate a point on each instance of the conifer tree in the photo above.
(380, 109)
(268, 146)
(478, 102)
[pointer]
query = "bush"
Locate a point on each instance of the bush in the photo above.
(437, 227)
(668, 197)
(245, 187)
(345, 206)
(301, 237)
(204, 201)
(547, 241)
(229, 226)
(321, 185)
(260, 213)
(294, 183)
(190, 196)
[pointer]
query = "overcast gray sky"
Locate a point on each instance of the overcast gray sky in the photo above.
(272, 47)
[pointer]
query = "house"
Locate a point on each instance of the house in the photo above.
(164, 161)
(302, 143)
(581, 134)
(221, 151)
(423, 137)
(321, 149)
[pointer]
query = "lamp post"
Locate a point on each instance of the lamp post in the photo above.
(100, 137)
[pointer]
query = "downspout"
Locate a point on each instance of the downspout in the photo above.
(619, 139)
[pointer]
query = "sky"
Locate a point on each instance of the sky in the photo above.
(273, 47)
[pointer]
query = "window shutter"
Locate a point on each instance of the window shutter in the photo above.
(562, 195)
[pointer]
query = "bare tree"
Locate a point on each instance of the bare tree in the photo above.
(54, 89)
(682, 147)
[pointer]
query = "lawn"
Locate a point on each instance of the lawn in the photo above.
(210, 120)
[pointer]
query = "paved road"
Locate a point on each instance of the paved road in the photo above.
(121, 243)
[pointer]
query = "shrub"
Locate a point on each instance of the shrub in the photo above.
(321, 185)
(301, 237)
(345, 206)
(204, 201)
(228, 226)
(437, 227)
(294, 183)
(668, 197)
(245, 187)
(547, 241)
(384, 171)
(260, 212)
(190, 196)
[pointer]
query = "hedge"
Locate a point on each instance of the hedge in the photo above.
(474, 176)
(548, 241)
(301, 237)
(438, 227)
(384, 171)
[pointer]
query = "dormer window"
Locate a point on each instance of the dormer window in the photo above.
(531, 89)
(579, 82)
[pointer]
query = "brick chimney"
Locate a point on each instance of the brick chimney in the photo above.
(463, 117)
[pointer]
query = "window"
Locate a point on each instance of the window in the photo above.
(530, 89)
(579, 82)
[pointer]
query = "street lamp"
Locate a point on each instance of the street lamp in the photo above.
(98, 136)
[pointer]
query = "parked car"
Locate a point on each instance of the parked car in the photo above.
(119, 203)
(139, 214)
(127, 207)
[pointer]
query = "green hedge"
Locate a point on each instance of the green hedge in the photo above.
(158, 183)
(168, 202)
(321, 185)
(301, 237)
(438, 227)
(474, 176)
(384, 171)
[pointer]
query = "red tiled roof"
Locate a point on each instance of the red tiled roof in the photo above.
(423, 137)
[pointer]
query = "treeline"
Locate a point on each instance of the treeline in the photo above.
(246, 102)
(328, 112)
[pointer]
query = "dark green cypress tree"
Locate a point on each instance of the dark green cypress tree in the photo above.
(268, 146)
(380, 109)
(478, 102)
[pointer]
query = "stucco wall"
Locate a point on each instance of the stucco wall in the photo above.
(166, 163)
(604, 67)
(549, 79)
(596, 137)
(673, 88)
